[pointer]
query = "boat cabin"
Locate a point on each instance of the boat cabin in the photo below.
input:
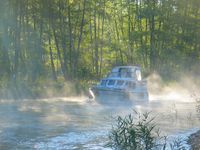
(126, 72)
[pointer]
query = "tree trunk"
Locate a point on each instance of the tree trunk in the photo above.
(70, 38)
(51, 58)
(102, 40)
(63, 36)
(17, 41)
(76, 63)
(96, 45)
(152, 39)
(59, 53)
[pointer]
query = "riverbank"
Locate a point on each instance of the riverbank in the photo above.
(44, 89)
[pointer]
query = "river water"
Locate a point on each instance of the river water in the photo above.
(79, 123)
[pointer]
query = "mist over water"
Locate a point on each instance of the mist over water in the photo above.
(182, 90)
(82, 123)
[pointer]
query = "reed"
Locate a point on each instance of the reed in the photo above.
(135, 132)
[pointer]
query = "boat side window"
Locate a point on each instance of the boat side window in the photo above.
(111, 82)
(128, 74)
(130, 85)
(103, 82)
(123, 73)
(120, 83)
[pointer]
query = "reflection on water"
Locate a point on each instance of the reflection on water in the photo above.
(77, 123)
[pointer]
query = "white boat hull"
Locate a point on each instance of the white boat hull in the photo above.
(113, 94)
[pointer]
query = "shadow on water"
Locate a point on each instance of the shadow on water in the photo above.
(80, 123)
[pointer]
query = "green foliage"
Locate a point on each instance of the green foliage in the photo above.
(139, 132)
(131, 133)
(81, 40)
(41, 88)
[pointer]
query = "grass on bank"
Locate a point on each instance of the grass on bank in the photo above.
(42, 88)
(140, 132)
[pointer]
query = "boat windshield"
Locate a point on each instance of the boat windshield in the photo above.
(122, 73)
(126, 73)
(113, 74)
(103, 82)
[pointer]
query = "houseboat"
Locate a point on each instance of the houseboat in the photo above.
(123, 82)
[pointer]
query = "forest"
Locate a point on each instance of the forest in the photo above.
(47, 43)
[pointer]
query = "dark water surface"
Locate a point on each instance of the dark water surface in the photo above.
(77, 123)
